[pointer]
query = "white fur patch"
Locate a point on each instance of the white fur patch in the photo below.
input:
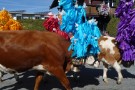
(8, 70)
(107, 44)
(117, 66)
(104, 60)
(4, 69)
(38, 67)
(41, 68)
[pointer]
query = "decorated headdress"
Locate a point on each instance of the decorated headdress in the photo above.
(104, 9)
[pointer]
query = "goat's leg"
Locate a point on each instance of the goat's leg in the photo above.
(117, 67)
(105, 69)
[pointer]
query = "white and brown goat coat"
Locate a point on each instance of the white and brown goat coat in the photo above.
(109, 50)
(110, 56)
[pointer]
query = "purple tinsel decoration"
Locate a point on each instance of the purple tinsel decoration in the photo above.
(126, 29)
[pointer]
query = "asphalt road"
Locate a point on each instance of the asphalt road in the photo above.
(90, 79)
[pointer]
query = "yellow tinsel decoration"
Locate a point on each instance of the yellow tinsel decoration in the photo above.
(7, 22)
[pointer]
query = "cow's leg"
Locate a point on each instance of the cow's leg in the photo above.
(16, 77)
(45, 78)
(1, 74)
(60, 74)
(39, 78)
(105, 69)
(117, 67)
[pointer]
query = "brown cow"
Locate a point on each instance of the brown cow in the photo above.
(39, 50)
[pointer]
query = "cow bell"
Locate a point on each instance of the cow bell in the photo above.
(76, 69)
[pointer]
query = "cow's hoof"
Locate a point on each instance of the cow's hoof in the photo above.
(118, 82)
(105, 80)
(1, 80)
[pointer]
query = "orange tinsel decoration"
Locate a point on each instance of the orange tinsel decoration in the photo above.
(7, 22)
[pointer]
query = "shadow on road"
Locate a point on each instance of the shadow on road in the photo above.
(88, 76)
(113, 74)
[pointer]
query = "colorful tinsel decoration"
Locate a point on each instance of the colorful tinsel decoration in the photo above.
(7, 22)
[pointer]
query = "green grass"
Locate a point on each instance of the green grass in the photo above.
(38, 25)
(112, 26)
(32, 24)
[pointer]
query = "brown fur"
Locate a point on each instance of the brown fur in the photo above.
(111, 58)
(21, 50)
